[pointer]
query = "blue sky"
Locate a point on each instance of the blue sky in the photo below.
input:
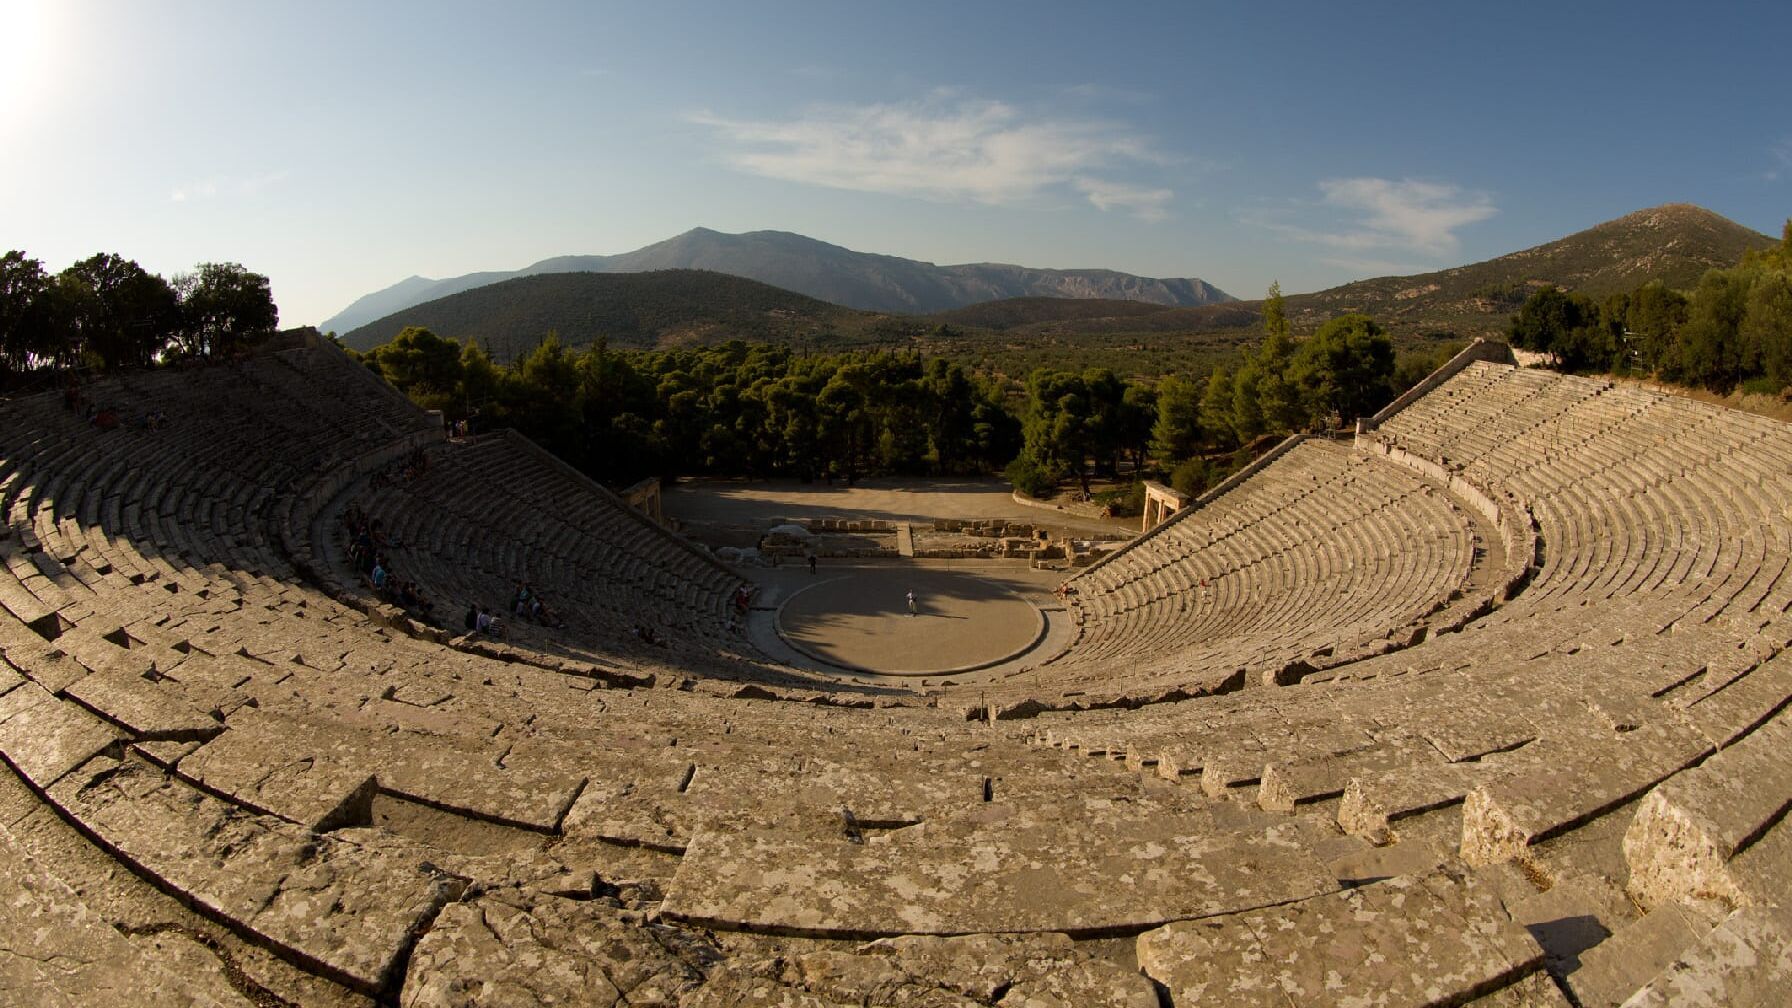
(340, 147)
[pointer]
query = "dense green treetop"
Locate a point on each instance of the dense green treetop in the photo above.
(107, 311)
(1734, 328)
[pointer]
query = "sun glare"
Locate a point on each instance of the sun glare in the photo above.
(25, 42)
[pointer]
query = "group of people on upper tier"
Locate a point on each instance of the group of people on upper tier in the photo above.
(367, 547)
(527, 603)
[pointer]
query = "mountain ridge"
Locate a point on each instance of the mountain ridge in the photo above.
(1674, 243)
(650, 309)
(867, 281)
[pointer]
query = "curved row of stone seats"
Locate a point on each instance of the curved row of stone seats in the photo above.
(1322, 555)
(201, 488)
(1649, 494)
(424, 825)
(1612, 729)
(486, 514)
(335, 807)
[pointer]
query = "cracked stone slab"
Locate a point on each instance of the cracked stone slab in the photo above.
(1371, 803)
(1687, 830)
(1082, 869)
(1727, 715)
(344, 909)
(506, 947)
(44, 663)
(1501, 819)
(969, 971)
(1289, 783)
(56, 952)
(1605, 975)
(318, 761)
(1412, 940)
(1744, 962)
(259, 764)
(143, 708)
(45, 737)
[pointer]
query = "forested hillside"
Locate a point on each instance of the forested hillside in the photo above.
(1673, 244)
(1732, 329)
(762, 410)
(638, 310)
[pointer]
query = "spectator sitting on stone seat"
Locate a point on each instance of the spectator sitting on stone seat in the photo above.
(490, 625)
(546, 616)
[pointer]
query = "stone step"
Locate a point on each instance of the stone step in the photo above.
(1413, 940)
(1092, 870)
(1688, 829)
(1744, 962)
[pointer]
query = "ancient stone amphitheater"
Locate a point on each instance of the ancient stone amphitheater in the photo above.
(1484, 707)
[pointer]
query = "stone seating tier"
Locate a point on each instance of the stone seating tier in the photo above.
(226, 785)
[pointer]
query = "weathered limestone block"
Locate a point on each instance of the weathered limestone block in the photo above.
(1305, 779)
(1501, 819)
(306, 762)
(507, 948)
(1474, 730)
(346, 910)
(469, 780)
(57, 953)
(260, 764)
(1763, 870)
(1411, 940)
(1236, 759)
(1745, 962)
(635, 798)
(1017, 971)
(872, 796)
(44, 737)
(1687, 830)
(1091, 868)
(44, 663)
(1727, 715)
(1371, 803)
(148, 711)
(1610, 972)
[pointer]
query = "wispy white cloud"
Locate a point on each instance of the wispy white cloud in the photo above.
(215, 186)
(1422, 216)
(1781, 155)
(949, 151)
(1146, 202)
(1367, 214)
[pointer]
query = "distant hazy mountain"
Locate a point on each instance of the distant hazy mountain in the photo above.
(817, 269)
(1674, 243)
(658, 308)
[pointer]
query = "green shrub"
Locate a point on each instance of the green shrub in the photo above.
(1192, 476)
(1123, 502)
(1031, 478)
